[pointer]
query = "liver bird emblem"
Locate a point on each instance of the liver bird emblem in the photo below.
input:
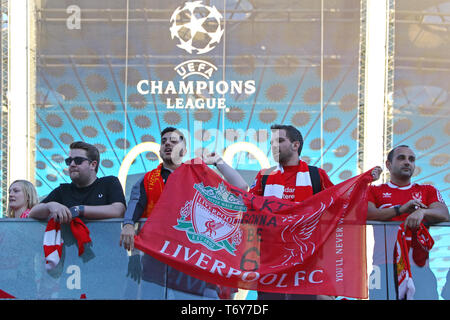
(296, 237)
(211, 227)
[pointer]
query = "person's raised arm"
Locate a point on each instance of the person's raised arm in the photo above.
(230, 174)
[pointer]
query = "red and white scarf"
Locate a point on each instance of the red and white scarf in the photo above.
(303, 187)
(25, 214)
(154, 185)
(53, 241)
(421, 242)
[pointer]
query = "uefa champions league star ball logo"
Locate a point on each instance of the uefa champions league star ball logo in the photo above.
(197, 27)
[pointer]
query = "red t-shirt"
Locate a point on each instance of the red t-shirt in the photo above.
(289, 175)
(388, 195)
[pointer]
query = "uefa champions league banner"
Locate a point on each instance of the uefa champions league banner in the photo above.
(197, 29)
(220, 234)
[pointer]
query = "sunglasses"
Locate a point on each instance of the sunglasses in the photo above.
(77, 160)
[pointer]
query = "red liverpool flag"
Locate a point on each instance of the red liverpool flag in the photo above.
(215, 232)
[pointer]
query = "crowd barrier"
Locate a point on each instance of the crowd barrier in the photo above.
(108, 271)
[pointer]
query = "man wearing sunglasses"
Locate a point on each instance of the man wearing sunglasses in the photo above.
(87, 196)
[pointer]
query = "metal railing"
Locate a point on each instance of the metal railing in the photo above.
(108, 271)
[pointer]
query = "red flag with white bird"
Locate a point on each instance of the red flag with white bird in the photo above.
(218, 233)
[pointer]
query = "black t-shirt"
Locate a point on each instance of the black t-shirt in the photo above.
(103, 191)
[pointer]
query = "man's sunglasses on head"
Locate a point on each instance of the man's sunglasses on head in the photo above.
(77, 160)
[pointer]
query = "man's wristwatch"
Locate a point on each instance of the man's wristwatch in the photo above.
(77, 211)
(397, 210)
(81, 211)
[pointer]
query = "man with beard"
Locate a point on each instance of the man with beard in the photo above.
(294, 180)
(144, 195)
(401, 200)
(87, 196)
(291, 180)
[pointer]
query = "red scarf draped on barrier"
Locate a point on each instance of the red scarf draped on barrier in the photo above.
(421, 242)
(215, 232)
(53, 241)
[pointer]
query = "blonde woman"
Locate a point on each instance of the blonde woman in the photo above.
(22, 197)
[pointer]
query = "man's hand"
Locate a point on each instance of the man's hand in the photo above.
(127, 237)
(59, 212)
(414, 220)
(212, 158)
(411, 206)
(415, 208)
(376, 173)
(231, 175)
